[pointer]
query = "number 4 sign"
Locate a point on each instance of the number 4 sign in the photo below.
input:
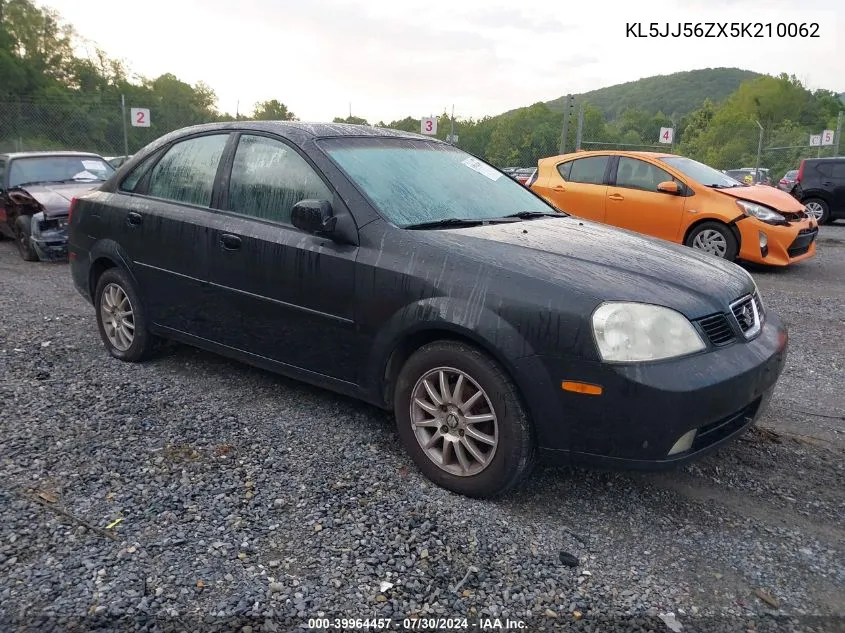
(667, 134)
(428, 125)
(140, 117)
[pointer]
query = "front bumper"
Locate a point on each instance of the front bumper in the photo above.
(785, 244)
(645, 409)
(49, 238)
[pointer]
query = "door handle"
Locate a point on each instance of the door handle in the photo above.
(230, 242)
(615, 196)
(134, 219)
(559, 188)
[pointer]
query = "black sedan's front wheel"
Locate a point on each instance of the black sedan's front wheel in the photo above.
(462, 421)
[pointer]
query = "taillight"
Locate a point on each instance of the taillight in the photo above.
(532, 178)
(70, 210)
(800, 172)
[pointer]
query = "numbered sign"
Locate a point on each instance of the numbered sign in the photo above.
(451, 138)
(140, 117)
(428, 125)
(815, 140)
(667, 135)
(827, 137)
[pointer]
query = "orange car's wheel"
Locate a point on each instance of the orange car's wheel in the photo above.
(714, 238)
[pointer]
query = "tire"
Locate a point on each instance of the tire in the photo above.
(719, 237)
(506, 462)
(821, 209)
(22, 233)
(114, 288)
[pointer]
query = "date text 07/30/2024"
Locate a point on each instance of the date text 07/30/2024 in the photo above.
(417, 624)
(722, 29)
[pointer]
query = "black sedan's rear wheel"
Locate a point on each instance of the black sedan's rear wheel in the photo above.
(121, 318)
(461, 419)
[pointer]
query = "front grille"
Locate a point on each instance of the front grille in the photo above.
(746, 314)
(718, 329)
(712, 433)
(801, 244)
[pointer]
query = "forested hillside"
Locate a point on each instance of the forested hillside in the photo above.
(51, 98)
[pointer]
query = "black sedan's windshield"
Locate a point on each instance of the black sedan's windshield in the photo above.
(46, 169)
(412, 182)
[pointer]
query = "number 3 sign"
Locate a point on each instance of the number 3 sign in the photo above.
(428, 125)
(140, 117)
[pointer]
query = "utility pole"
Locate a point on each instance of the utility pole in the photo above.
(452, 126)
(580, 133)
(125, 134)
(759, 151)
(567, 112)
(838, 134)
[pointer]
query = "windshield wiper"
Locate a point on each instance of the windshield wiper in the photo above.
(434, 224)
(33, 182)
(718, 186)
(527, 215)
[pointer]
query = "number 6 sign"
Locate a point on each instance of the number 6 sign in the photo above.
(140, 117)
(428, 125)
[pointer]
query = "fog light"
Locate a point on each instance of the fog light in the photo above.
(684, 443)
(764, 244)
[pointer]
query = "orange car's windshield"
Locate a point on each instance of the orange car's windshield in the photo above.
(700, 172)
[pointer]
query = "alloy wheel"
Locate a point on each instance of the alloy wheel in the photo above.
(454, 421)
(815, 209)
(711, 241)
(118, 317)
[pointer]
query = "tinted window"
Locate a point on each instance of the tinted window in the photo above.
(564, 169)
(638, 174)
(186, 172)
(588, 170)
(832, 170)
(131, 181)
(269, 177)
(839, 171)
(411, 181)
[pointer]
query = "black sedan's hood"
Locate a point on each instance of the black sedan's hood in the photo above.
(55, 197)
(605, 263)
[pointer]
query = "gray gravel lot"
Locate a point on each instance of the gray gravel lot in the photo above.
(243, 494)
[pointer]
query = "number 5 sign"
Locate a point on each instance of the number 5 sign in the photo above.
(428, 125)
(666, 134)
(140, 117)
(827, 137)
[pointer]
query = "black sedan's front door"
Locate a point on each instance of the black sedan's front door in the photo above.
(280, 293)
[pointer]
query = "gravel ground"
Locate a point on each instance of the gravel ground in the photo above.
(205, 493)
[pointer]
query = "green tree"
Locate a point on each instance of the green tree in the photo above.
(272, 110)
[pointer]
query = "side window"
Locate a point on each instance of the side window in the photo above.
(564, 169)
(638, 174)
(2, 173)
(825, 169)
(269, 177)
(186, 172)
(130, 182)
(588, 170)
(839, 171)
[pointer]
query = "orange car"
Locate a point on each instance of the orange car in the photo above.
(680, 200)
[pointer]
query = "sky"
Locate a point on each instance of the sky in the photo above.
(395, 59)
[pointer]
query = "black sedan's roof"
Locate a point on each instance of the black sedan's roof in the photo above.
(298, 131)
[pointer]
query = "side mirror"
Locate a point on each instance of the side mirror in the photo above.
(313, 216)
(669, 187)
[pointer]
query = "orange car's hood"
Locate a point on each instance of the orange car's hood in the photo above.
(769, 196)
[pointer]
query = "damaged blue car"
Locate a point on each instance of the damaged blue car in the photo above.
(35, 193)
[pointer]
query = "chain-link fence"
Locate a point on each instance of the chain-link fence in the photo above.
(94, 125)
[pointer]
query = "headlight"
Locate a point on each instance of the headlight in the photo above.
(760, 212)
(631, 332)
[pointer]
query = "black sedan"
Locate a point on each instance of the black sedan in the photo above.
(398, 269)
(35, 193)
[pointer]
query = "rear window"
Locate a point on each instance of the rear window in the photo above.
(589, 170)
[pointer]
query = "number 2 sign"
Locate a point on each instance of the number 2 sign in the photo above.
(428, 125)
(140, 117)
(666, 134)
